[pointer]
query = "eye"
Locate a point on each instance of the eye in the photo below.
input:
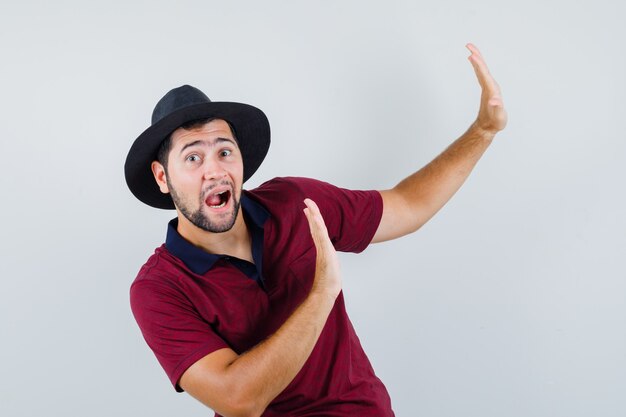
(225, 152)
(192, 158)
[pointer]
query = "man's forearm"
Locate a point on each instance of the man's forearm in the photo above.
(244, 385)
(266, 370)
(431, 187)
(420, 196)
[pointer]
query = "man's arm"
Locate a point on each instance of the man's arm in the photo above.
(416, 199)
(244, 385)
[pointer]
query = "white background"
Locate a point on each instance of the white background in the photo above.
(511, 301)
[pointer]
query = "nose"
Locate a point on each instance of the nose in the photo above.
(213, 170)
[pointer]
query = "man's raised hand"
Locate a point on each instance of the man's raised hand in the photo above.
(492, 116)
(327, 275)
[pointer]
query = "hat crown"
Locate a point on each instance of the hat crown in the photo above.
(176, 99)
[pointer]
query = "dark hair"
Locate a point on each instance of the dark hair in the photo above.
(166, 145)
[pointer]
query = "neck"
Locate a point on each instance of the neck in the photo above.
(235, 242)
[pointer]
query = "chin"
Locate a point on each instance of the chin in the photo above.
(210, 222)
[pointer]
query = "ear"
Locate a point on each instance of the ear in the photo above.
(159, 175)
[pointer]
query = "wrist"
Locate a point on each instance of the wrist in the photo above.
(477, 130)
(323, 296)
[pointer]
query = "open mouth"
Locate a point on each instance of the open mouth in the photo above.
(218, 200)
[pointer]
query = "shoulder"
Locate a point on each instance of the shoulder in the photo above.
(159, 274)
(155, 267)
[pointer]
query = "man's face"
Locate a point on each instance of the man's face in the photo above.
(205, 175)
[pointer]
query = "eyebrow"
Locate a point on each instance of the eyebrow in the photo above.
(200, 141)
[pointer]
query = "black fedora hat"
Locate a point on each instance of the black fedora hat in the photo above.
(182, 105)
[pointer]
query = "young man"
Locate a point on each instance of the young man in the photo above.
(242, 305)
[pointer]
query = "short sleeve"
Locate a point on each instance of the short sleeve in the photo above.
(351, 216)
(174, 331)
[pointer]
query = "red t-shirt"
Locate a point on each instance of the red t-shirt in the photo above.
(185, 315)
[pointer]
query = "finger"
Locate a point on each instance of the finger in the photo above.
(474, 49)
(316, 221)
(314, 216)
(480, 68)
(486, 81)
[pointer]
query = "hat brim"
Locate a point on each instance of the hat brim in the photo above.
(252, 131)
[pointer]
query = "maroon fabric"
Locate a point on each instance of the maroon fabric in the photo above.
(184, 316)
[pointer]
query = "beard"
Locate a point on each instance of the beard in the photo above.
(198, 218)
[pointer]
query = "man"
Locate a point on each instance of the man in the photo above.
(241, 307)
